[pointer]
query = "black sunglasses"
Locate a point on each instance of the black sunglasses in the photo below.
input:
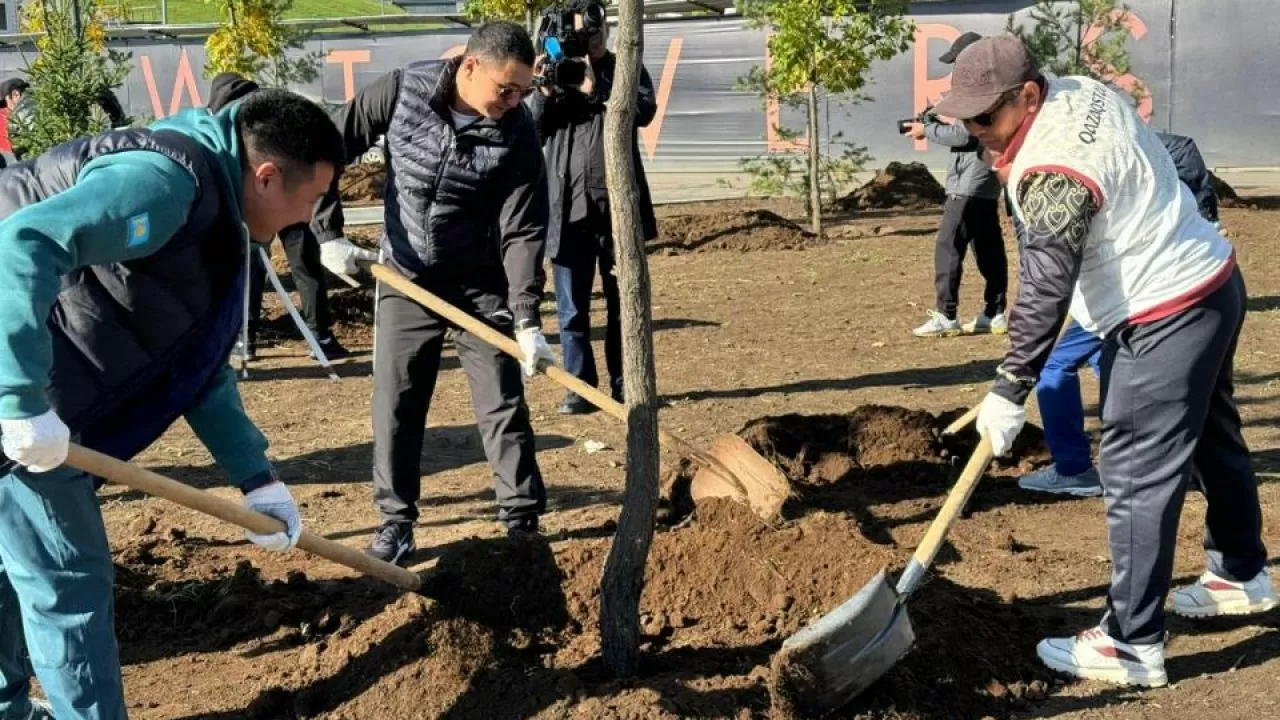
(988, 117)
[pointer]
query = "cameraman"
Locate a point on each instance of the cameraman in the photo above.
(970, 216)
(579, 238)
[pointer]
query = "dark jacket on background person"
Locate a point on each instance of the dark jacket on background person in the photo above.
(226, 88)
(446, 186)
(1193, 172)
(571, 127)
(967, 174)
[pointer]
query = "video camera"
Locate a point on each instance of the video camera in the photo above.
(926, 116)
(563, 34)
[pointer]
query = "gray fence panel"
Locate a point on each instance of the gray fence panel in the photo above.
(1206, 64)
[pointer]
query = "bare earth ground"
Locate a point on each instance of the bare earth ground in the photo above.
(212, 628)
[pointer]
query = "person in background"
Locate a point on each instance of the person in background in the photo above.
(970, 217)
(300, 246)
(579, 234)
(11, 92)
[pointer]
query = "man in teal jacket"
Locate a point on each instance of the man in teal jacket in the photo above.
(122, 263)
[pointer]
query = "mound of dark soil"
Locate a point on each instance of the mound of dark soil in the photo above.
(510, 629)
(748, 231)
(899, 186)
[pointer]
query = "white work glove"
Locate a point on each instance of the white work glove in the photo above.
(37, 443)
(1001, 421)
(276, 501)
(534, 347)
(340, 256)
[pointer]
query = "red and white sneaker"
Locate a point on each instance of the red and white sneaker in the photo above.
(1095, 655)
(1212, 595)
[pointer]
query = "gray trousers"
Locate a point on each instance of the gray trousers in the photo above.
(1169, 418)
(408, 341)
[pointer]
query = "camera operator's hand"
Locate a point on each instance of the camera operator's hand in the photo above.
(540, 71)
(588, 85)
(916, 131)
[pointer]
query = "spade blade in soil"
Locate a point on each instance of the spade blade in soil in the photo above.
(737, 471)
(828, 663)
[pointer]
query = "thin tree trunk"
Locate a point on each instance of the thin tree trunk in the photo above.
(624, 569)
(815, 161)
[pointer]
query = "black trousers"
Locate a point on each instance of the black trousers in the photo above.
(408, 340)
(970, 221)
(1168, 416)
(303, 251)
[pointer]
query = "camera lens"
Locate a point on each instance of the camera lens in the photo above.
(594, 16)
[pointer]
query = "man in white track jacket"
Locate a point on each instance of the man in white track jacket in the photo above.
(1116, 239)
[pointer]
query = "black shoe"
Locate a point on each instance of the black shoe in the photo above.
(575, 405)
(332, 349)
(393, 543)
(523, 529)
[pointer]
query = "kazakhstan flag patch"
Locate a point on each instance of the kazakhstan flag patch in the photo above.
(139, 229)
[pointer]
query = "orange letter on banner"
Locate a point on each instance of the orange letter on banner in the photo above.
(185, 80)
(650, 134)
(348, 59)
(1137, 30)
(928, 91)
(773, 118)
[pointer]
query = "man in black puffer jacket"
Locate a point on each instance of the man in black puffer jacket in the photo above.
(466, 218)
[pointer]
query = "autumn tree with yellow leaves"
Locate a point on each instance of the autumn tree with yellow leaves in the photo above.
(70, 74)
(253, 42)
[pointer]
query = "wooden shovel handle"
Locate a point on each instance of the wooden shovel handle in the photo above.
(123, 473)
(963, 421)
(951, 509)
(497, 339)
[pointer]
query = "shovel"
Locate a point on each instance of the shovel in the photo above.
(963, 421)
(731, 468)
(123, 473)
(825, 665)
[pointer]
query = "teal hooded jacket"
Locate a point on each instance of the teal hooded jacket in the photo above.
(123, 206)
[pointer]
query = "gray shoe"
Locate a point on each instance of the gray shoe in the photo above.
(1086, 484)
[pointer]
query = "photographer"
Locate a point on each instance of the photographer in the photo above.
(569, 109)
(970, 216)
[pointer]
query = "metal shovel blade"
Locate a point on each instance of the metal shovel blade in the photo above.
(828, 663)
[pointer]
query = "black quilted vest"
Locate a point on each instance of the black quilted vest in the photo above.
(136, 343)
(445, 189)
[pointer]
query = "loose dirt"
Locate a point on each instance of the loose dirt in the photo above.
(743, 231)
(899, 186)
(363, 184)
(508, 629)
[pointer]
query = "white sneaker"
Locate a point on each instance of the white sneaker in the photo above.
(983, 325)
(1212, 595)
(1095, 655)
(939, 325)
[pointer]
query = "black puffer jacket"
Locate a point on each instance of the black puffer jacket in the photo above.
(463, 207)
